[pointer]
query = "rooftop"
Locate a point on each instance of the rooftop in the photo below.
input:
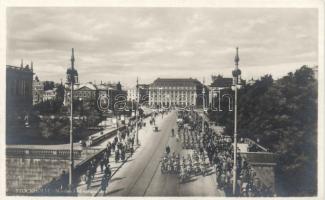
(222, 82)
(24, 69)
(176, 82)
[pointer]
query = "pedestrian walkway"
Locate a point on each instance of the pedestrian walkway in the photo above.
(114, 166)
(95, 182)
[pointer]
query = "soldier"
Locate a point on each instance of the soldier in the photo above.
(167, 149)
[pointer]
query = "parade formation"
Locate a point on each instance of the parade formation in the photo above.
(206, 152)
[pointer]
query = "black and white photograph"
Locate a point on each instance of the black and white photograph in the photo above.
(163, 100)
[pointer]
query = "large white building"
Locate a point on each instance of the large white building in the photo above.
(142, 94)
(174, 92)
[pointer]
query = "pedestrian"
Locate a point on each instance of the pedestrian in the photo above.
(108, 171)
(63, 181)
(88, 179)
(102, 162)
(104, 184)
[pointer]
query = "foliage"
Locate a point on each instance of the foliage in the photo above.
(283, 115)
(49, 107)
(48, 85)
(60, 92)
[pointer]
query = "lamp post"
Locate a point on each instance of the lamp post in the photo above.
(236, 81)
(136, 115)
(160, 99)
(203, 106)
(71, 81)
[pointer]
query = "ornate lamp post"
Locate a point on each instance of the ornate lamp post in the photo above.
(71, 80)
(136, 115)
(203, 107)
(236, 84)
(160, 99)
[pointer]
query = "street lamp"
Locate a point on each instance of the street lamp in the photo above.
(236, 84)
(160, 99)
(136, 115)
(203, 106)
(71, 82)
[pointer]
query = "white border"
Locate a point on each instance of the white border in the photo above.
(168, 3)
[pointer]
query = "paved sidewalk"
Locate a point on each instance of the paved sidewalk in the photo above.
(94, 189)
(95, 183)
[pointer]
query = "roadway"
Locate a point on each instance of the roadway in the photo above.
(141, 175)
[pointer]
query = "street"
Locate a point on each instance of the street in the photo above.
(141, 174)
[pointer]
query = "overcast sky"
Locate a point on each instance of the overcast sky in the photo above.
(119, 44)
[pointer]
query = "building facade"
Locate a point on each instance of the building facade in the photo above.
(38, 91)
(49, 95)
(175, 92)
(19, 94)
(143, 93)
(218, 84)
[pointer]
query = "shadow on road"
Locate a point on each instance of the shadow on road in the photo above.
(95, 186)
(190, 180)
(117, 179)
(113, 191)
(129, 160)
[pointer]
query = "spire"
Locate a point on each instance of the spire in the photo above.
(31, 65)
(236, 58)
(22, 63)
(72, 59)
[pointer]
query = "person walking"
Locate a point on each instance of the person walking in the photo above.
(104, 184)
(88, 179)
(102, 163)
(108, 172)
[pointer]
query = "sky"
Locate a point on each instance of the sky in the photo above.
(120, 44)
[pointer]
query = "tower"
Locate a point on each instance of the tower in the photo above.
(71, 77)
(236, 73)
(72, 73)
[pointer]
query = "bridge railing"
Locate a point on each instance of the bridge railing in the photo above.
(260, 157)
(58, 186)
(41, 153)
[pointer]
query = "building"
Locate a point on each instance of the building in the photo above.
(85, 92)
(315, 70)
(132, 94)
(19, 94)
(175, 92)
(38, 91)
(143, 90)
(49, 95)
(251, 81)
(218, 83)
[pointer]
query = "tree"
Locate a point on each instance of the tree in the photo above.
(283, 115)
(48, 85)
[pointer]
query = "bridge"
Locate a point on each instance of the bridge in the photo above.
(33, 169)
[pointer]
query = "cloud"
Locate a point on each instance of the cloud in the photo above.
(120, 44)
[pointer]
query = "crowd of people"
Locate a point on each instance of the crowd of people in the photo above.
(219, 150)
(121, 144)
